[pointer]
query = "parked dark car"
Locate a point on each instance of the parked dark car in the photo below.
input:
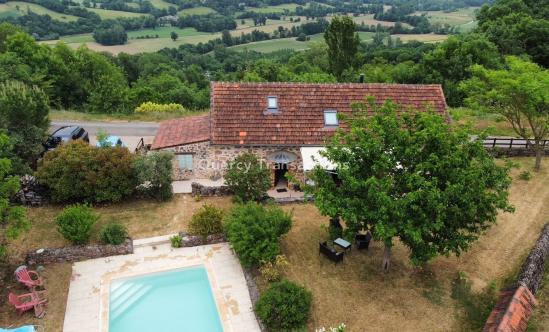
(66, 134)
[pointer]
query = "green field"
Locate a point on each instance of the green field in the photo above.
(463, 18)
(273, 45)
(425, 38)
(197, 11)
(18, 8)
(369, 20)
(161, 4)
(268, 46)
(165, 32)
(109, 14)
(273, 9)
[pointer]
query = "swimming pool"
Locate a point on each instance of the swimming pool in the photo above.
(177, 300)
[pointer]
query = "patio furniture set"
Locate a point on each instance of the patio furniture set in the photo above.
(35, 299)
(362, 241)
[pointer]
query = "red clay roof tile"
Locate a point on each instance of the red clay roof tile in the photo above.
(242, 107)
(182, 131)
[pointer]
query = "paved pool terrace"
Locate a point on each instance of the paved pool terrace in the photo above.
(87, 304)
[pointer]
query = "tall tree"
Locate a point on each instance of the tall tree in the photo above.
(518, 27)
(411, 177)
(520, 93)
(13, 220)
(342, 43)
(174, 35)
(24, 116)
(450, 63)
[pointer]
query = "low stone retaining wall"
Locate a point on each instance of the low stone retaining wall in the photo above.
(189, 240)
(198, 189)
(77, 253)
(516, 304)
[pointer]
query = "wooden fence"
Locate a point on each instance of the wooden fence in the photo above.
(512, 143)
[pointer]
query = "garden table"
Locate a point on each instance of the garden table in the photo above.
(346, 245)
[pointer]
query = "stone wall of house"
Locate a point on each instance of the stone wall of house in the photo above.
(210, 161)
(77, 253)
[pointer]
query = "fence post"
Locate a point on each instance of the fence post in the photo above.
(494, 143)
(511, 144)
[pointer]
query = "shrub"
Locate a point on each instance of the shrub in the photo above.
(272, 271)
(248, 178)
(150, 107)
(78, 172)
(75, 223)
(154, 175)
(207, 221)
(254, 230)
(525, 176)
(284, 306)
(176, 241)
(113, 233)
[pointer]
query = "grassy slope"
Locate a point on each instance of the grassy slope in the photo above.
(463, 18)
(197, 11)
(108, 14)
(160, 4)
(12, 9)
(273, 9)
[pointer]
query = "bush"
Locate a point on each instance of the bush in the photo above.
(75, 223)
(150, 107)
(284, 306)
(272, 271)
(207, 221)
(78, 172)
(154, 175)
(113, 234)
(525, 176)
(176, 241)
(254, 231)
(248, 178)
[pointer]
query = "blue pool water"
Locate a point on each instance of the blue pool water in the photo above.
(177, 300)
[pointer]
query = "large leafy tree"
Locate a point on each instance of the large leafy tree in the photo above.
(24, 116)
(342, 41)
(518, 27)
(520, 93)
(450, 62)
(13, 220)
(410, 177)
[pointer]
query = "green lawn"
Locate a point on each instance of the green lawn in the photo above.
(17, 8)
(111, 14)
(197, 11)
(273, 45)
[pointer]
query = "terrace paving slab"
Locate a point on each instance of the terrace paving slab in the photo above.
(88, 299)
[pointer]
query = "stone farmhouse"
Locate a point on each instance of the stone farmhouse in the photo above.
(284, 124)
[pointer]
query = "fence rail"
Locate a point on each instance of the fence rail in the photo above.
(512, 143)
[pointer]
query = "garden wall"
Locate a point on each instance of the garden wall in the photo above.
(198, 189)
(77, 253)
(195, 240)
(516, 304)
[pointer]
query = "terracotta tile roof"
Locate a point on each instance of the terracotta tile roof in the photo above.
(187, 130)
(238, 109)
(512, 311)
